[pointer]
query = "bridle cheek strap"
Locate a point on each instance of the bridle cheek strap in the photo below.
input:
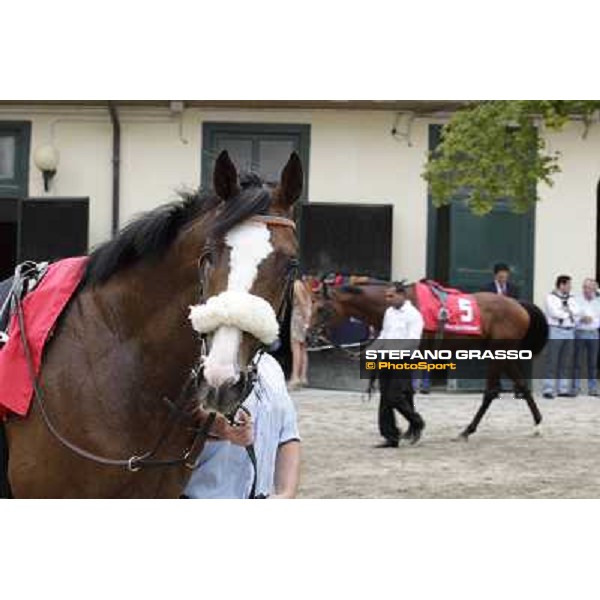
(242, 310)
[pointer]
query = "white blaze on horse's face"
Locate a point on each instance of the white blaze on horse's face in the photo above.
(250, 244)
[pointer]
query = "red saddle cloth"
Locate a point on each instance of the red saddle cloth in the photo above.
(464, 317)
(41, 309)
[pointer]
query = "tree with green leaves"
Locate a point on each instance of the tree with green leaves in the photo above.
(492, 150)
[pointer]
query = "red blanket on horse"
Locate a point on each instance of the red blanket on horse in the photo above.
(463, 317)
(41, 309)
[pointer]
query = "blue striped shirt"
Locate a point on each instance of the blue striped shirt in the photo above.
(224, 469)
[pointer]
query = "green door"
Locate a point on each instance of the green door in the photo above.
(463, 248)
(477, 243)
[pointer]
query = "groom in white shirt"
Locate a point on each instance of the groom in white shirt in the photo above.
(402, 322)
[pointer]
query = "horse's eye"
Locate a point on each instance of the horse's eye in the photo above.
(206, 260)
(208, 254)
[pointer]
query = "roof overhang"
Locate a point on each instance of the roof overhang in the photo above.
(415, 106)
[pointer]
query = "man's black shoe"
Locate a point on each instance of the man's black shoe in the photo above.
(415, 436)
(387, 444)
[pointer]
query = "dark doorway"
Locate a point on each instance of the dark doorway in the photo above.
(348, 238)
(8, 249)
(14, 177)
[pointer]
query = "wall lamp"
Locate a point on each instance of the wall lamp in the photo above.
(46, 160)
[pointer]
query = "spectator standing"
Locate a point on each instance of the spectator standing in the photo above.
(562, 313)
(586, 338)
(501, 283)
(299, 326)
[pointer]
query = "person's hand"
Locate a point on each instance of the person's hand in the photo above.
(242, 432)
(586, 319)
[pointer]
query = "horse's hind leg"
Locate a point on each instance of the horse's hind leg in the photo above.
(522, 390)
(492, 391)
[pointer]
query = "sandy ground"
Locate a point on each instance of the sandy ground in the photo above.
(502, 460)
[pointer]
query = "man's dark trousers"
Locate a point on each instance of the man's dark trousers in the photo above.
(396, 393)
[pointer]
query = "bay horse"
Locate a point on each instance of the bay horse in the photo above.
(517, 324)
(114, 375)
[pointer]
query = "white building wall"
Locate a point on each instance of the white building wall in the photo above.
(84, 140)
(565, 232)
(353, 158)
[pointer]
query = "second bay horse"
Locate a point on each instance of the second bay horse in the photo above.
(517, 324)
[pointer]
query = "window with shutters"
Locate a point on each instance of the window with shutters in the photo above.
(14, 158)
(262, 148)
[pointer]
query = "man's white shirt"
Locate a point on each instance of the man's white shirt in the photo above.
(405, 323)
(224, 469)
(557, 314)
(588, 308)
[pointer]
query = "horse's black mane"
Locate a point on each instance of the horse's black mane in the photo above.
(150, 235)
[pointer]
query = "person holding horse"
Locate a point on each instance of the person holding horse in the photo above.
(268, 422)
(402, 322)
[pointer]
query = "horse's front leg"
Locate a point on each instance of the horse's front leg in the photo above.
(492, 391)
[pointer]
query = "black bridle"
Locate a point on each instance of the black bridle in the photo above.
(178, 410)
(136, 461)
(287, 291)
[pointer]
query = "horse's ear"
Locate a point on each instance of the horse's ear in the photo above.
(292, 177)
(225, 177)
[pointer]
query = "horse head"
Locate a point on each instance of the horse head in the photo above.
(327, 312)
(246, 272)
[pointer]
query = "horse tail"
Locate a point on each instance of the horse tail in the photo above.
(537, 333)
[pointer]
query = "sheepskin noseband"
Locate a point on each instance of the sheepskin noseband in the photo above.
(245, 311)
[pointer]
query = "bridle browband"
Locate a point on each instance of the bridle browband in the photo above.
(274, 220)
(178, 412)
